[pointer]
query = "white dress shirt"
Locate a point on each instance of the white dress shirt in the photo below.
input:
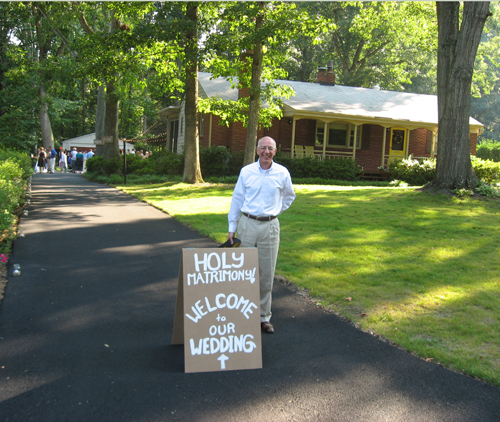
(261, 193)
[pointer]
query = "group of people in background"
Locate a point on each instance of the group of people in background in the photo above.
(141, 153)
(74, 159)
(46, 161)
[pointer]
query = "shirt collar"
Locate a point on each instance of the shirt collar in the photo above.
(261, 169)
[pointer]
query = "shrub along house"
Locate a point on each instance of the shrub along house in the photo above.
(329, 121)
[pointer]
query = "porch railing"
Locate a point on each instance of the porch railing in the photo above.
(301, 151)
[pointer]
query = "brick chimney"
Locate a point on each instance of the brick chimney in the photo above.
(326, 75)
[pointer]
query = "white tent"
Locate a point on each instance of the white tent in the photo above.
(86, 142)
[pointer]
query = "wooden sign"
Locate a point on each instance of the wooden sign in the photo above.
(98, 141)
(217, 313)
(107, 139)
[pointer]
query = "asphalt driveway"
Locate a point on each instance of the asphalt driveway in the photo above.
(85, 334)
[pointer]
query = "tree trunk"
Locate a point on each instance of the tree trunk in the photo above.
(110, 150)
(457, 49)
(255, 86)
(100, 113)
(192, 170)
(43, 116)
(43, 111)
(84, 107)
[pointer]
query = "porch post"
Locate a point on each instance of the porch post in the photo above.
(407, 143)
(354, 143)
(292, 150)
(325, 140)
(383, 146)
(210, 131)
(433, 144)
(169, 140)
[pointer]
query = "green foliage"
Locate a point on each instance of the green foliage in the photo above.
(486, 170)
(487, 190)
(167, 163)
(390, 44)
(19, 125)
(105, 166)
(20, 159)
(116, 179)
(237, 33)
(220, 166)
(236, 162)
(487, 63)
(413, 172)
(463, 193)
(225, 180)
(15, 169)
(214, 161)
(488, 150)
(310, 167)
(135, 163)
(160, 163)
(417, 173)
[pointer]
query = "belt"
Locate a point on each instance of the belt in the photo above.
(253, 217)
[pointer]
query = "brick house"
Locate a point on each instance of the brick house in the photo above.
(329, 121)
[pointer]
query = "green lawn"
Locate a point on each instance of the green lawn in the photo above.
(420, 270)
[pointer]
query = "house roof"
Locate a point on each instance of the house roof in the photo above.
(346, 103)
(171, 111)
(218, 87)
(86, 141)
(80, 141)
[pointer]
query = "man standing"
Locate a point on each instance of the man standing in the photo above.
(52, 160)
(263, 191)
(73, 159)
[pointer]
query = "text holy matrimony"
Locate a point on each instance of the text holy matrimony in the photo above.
(215, 268)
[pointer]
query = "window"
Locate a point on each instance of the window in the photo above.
(338, 135)
(320, 133)
(358, 137)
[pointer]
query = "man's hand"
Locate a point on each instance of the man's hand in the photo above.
(230, 237)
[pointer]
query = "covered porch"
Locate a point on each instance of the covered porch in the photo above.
(341, 137)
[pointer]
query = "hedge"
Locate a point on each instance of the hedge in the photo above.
(15, 170)
(219, 162)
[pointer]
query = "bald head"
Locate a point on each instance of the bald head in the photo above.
(266, 138)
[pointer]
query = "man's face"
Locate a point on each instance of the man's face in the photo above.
(266, 151)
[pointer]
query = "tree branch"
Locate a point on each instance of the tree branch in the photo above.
(55, 29)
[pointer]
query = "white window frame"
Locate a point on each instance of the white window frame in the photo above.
(320, 134)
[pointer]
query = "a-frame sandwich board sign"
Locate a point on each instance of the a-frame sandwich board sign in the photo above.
(217, 312)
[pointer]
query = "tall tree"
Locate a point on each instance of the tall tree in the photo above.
(19, 127)
(485, 105)
(244, 49)
(180, 26)
(192, 169)
(390, 44)
(44, 38)
(255, 82)
(458, 43)
(113, 52)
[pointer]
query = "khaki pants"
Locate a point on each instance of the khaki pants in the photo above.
(265, 236)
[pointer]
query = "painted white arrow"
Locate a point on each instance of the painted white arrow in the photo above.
(222, 359)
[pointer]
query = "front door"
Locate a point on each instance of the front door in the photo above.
(398, 143)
